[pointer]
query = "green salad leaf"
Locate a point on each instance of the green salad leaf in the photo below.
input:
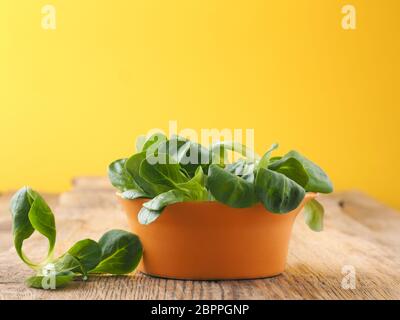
(82, 257)
(31, 213)
(165, 175)
(120, 177)
(278, 193)
(265, 160)
(152, 209)
(191, 190)
(314, 215)
(291, 168)
(133, 194)
(219, 151)
(132, 165)
(318, 181)
(121, 252)
(230, 189)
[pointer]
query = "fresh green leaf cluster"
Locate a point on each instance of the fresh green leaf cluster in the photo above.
(117, 251)
(167, 171)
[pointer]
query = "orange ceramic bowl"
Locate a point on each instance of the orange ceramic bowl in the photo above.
(209, 240)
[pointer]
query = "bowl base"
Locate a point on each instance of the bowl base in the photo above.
(210, 279)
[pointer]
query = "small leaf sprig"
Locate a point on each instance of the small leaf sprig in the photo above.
(117, 252)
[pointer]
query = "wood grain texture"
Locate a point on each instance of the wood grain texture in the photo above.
(359, 232)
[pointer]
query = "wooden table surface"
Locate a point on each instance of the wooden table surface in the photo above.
(360, 234)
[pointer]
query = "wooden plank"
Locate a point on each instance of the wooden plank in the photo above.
(5, 223)
(314, 269)
(91, 183)
(382, 222)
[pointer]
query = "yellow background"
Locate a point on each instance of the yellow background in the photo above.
(74, 99)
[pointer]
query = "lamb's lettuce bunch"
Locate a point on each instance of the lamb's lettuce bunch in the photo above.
(167, 171)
